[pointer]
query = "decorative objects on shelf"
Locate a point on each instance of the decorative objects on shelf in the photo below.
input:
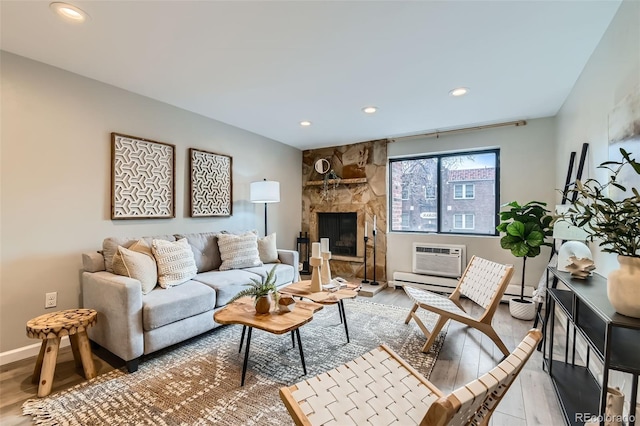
(615, 224)
(210, 183)
(580, 268)
(572, 239)
(265, 191)
(142, 178)
(316, 263)
(261, 291)
(525, 227)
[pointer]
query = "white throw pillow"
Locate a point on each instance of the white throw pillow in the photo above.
(137, 262)
(268, 249)
(238, 251)
(176, 264)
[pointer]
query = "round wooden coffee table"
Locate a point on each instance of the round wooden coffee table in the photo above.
(302, 289)
(50, 328)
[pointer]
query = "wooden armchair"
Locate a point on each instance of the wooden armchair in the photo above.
(380, 388)
(484, 282)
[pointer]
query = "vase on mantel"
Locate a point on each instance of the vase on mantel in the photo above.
(623, 287)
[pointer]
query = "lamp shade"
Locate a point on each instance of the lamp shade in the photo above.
(265, 191)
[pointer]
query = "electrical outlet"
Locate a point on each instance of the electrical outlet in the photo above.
(51, 299)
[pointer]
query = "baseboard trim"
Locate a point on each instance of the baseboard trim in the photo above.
(27, 352)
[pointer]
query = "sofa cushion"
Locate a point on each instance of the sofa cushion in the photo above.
(165, 306)
(268, 249)
(137, 262)
(110, 245)
(284, 273)
(205, 250)
(175, 262)
(226, 283)
(238, 251)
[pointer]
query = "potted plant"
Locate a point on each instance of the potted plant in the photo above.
(261, 291)
(615, 224)
(526, 228)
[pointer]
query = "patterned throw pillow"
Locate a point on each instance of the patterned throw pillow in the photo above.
(238, 251)
(137, 262)
(176, 264)
(268, 249)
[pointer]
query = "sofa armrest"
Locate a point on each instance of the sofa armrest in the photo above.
(291, 257)
(118, 301)
(93, 262)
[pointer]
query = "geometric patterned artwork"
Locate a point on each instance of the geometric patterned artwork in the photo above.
(210, 182)
(142, 178)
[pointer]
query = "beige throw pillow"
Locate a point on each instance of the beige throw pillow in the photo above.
(238, 251)
(268, 249)
(176, 264)
(137, 262)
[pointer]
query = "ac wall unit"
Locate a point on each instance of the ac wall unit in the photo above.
(443, 260)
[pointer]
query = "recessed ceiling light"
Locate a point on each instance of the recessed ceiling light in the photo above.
(369, 109)
(459, 91)
(305, 123)
(69, 12)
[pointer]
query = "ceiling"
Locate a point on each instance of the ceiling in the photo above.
(264, 66)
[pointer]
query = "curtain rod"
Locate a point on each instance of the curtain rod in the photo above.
(437, 134)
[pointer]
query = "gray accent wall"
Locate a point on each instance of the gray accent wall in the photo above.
(55, 177)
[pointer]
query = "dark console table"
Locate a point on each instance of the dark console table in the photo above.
(613, 338)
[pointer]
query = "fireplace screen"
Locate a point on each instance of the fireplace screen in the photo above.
(341, 230)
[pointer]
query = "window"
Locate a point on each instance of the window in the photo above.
(463, 221)
(463, 191)
(458, 193)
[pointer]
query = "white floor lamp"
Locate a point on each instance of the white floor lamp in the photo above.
(265, 191)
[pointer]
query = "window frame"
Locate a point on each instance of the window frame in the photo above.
(464, 191)
(464, 221)
(439, 196)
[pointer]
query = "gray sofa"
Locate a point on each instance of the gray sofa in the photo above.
(131, 324)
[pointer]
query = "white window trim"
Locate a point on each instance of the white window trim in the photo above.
(464, 191)
(464, 220)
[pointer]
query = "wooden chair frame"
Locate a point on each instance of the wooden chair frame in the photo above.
(459, 314)
(381, 388)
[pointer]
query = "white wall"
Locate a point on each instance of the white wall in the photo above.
(526, 173)
(612, 72)
(55, 177)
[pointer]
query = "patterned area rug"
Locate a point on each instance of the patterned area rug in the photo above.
(198, 382)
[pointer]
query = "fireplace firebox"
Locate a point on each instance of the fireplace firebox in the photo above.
(341, 229)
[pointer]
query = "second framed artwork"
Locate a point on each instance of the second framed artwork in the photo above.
(210, 184)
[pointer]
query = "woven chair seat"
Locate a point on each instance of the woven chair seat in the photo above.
(380, 388)
(434, 300)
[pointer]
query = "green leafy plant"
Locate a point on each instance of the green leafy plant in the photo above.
(526, 228)
(258, 288)
(615, 224)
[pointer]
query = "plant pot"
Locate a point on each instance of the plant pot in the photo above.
(263, 304)
(522, 309)
(623, 288)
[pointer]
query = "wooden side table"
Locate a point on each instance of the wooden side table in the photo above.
(50, 328)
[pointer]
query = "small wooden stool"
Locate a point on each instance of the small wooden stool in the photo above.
(50, 328)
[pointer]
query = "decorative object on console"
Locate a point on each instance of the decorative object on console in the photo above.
(210, 184)
(261, 291)
(142, 178)
(525, 227)
(265, 191)
(580, 268)
(615, 224)
(572, 238)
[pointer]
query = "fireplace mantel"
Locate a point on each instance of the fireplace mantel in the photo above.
(339, 181)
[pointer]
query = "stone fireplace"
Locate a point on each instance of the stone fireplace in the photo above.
(338, 208)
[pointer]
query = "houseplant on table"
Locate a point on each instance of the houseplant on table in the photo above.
(526, 228)
(615, 224)
(261, 291)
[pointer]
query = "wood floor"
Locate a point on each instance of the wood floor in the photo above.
(466, 355)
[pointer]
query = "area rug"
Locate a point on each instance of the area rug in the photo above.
(198, 382)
